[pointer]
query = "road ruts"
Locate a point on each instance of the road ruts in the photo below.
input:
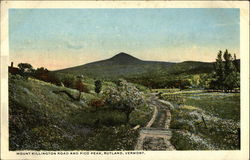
(156, 135)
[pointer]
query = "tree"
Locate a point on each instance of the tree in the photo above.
(41, 70)
(42, 74)
(26, 69)
(229, 66)
(195, 80)
(98, 86)
(236, 63)
(226, 76)
(68, 80)
(205, 81)
(184, 84)
(230, 81)
(80, 87)
(219, 72)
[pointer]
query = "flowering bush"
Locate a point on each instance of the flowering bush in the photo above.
(125, 97)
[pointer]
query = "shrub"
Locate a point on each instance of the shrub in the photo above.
(96, 103)
(125, 97)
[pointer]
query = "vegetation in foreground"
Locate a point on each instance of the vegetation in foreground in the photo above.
(43, 118)
(205, 121)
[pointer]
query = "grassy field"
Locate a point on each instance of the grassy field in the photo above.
(43, 118)
(205, 121)
(223, 105)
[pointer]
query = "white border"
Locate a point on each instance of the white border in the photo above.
(205, 155)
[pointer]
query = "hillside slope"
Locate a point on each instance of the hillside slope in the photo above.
(40, 118)
(125, 65)
(43, 118)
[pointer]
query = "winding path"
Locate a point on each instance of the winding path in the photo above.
(156, 135)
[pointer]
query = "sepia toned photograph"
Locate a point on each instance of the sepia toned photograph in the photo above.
(124, 79)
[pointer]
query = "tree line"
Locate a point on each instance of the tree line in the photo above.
(226, 75)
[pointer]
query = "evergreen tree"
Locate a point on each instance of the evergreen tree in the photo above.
(98, 86)
(230, 81)
(218, 76)
(236, 63)
(229, 66)
(226, 75)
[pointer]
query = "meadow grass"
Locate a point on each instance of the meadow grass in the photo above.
(224, 105)
(205, 121)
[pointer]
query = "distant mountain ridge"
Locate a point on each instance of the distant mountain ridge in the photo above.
(125, 65)
(123, 59)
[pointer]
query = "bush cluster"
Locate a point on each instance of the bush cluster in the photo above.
(124, 96)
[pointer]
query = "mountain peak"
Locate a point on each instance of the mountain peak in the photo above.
(124, 58)
(122, 54)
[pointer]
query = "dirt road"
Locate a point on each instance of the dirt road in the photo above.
(156, 135)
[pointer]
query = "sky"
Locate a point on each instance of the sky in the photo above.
(62, 38)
